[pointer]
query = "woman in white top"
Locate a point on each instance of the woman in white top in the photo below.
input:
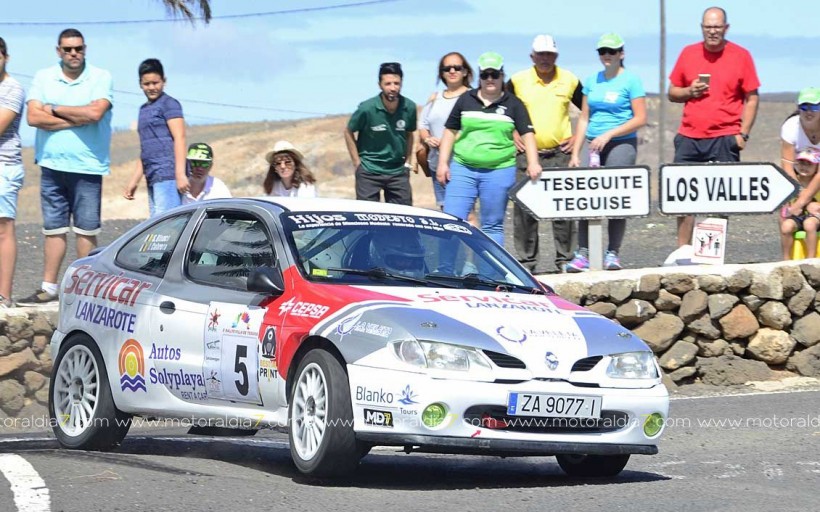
(456, 74)
(202, 185)
(800, 131)
(288, 176)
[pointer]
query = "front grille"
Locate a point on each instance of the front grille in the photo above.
(586, 364)
(505, 360)
(495, 417)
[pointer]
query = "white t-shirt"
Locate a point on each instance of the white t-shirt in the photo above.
(303, 190)
(214, 189)
(793, 133)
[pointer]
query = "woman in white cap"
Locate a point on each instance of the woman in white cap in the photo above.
(613, 108)
(800, 131)
(288, 176)
(483, 164)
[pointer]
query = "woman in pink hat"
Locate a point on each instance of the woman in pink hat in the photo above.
(288, 176)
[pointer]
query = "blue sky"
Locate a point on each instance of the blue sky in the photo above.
(317, 62)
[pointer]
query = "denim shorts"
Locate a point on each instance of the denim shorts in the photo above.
(11, 180)
(162, 196)
(67, 196)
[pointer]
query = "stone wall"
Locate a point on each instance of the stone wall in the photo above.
(716, 325)
(25, 361)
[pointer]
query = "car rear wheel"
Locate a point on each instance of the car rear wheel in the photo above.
(592, 465)
(322, 441)
(82, 410)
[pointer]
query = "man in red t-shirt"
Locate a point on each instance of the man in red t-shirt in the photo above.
(717, 82)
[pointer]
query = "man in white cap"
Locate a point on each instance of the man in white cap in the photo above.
(547, 91)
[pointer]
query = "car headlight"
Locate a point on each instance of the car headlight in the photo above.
(439, 356)
(632, 365)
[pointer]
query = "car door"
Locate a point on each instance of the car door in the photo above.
(208, 332)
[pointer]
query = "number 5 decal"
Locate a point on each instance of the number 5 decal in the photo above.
(240, 368)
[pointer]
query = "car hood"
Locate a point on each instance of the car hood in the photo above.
(532, 328)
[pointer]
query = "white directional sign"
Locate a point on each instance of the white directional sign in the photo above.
(689, 189)
(586, 193)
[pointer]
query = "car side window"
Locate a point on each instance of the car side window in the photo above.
(150, 251)
(226, 247)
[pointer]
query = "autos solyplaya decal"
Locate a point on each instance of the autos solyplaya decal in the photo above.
(132, 366)
(231, 365)
(184, 384)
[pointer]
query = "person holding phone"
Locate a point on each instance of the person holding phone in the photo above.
(717, 82)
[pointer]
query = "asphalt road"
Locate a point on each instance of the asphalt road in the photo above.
(756, 452)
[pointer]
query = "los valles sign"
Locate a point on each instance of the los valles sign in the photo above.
(724, 188)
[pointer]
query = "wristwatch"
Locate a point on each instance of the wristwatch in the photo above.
(744, 136)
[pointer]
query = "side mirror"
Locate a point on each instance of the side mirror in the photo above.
(266, 280)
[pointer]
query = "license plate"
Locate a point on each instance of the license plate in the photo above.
(554, 406)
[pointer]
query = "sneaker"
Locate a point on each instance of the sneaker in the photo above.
(612, 261)
(6, 303)
(38, 298)
(579, 263)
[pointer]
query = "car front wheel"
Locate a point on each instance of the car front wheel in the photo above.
(83, 413)
(592, 465)
(322, 441)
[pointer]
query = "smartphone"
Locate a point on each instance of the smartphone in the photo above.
(704, 78)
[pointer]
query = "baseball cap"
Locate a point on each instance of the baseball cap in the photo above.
(544, 43)
(809, 155)
(280, 147)
(610, 40)
(809, 95)
(490, 60)
(200, 151)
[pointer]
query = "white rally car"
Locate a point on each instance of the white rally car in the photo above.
(352, 323)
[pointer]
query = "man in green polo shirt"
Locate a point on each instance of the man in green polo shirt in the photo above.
(382, 148)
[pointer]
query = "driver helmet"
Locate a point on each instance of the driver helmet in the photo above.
(398, 251)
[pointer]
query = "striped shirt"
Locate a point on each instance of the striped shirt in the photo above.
(12, 97)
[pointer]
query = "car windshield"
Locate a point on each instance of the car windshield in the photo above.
(401, 250)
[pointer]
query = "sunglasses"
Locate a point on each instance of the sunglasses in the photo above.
(810, 107)
(490, 73)
(200, 165)
(69, 49)
(445, 69)
(609, 51)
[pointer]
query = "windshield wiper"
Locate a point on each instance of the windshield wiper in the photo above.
(380, 273)
(500, 286)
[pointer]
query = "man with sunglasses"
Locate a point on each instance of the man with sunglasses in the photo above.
(70, 105)
(547, 91)
(717, 82)
(379, 138)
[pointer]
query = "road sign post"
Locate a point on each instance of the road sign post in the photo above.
(586, 193)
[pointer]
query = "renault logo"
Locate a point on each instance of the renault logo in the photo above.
(551, 360)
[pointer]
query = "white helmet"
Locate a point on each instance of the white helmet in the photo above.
(398, 251)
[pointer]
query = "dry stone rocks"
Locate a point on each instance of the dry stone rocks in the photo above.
(775, 315)
(720, 304)
(648, 287)
(739, 323)
(806, 330)
(678, 283)
(806, 362)
(771, 346)
(667, 301)
(694, 303)
(802, 300)
(660, 332)
(712, 283)
(767, 286)
(731, 370)
(634, 312)
(739, 281)
(606, 309)
(681, 354)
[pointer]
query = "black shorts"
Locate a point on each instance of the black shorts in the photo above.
(717, 149)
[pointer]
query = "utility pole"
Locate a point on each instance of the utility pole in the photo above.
(662, 91)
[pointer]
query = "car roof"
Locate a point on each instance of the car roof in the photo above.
(297, 204)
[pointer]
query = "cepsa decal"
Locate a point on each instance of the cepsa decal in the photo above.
(132, 366)
(102, 285)
(304, 309)
(493, 301)
(105, 316)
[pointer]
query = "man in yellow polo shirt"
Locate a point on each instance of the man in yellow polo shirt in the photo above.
(547, 92)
